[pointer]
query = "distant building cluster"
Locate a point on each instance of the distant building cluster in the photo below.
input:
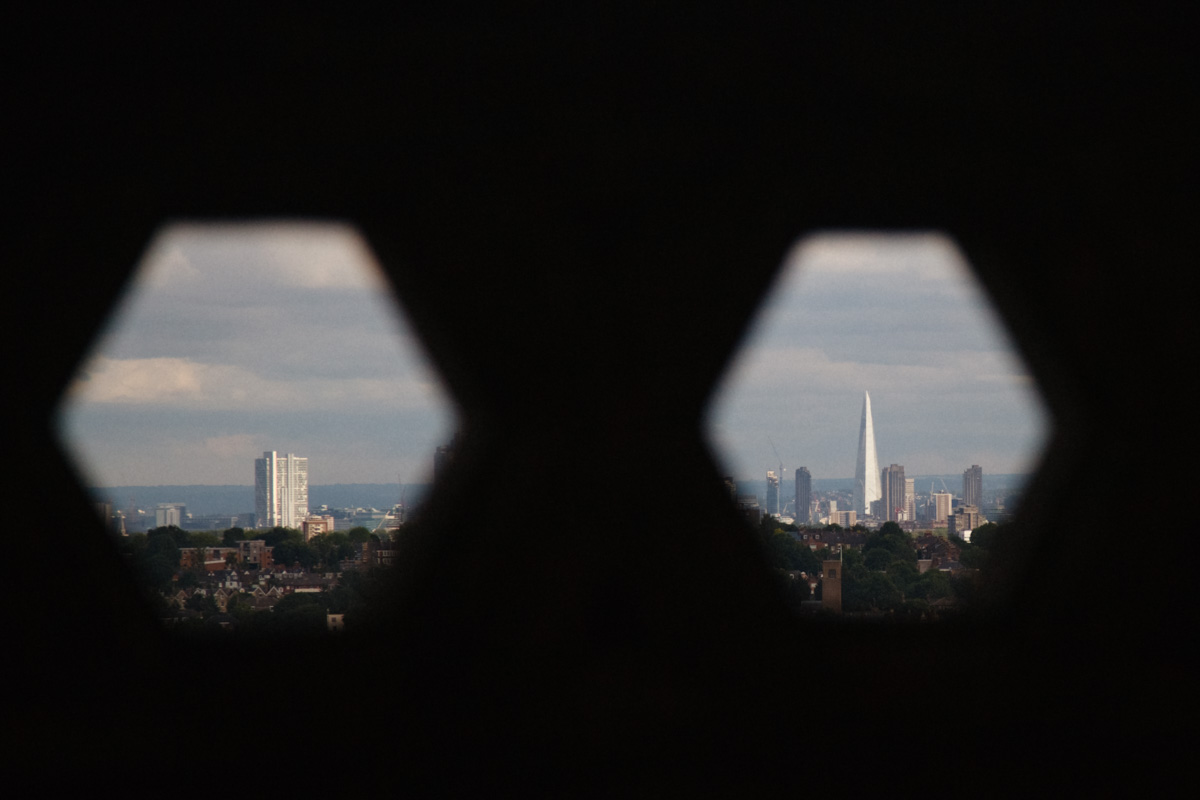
(878, 495)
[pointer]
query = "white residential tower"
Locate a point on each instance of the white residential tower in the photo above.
(280, 490)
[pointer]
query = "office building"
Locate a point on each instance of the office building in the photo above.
(866, 466)
(941, 506)
(280, 490)
(317, 524)
(910, 499)
(973, 486)
(772, 493)
(169, 514)
(965, 520)
(891, 481)
(803, 496)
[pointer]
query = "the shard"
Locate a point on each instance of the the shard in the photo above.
(866, 467)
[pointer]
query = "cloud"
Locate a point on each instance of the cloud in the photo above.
(915, 256)
(224, 260)
(239, 338)
(186, 384)
(899, 316)
(235, 445)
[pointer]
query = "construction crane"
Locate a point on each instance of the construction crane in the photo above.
(776, 452)
(781, 483)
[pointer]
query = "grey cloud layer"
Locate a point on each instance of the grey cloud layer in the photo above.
(902, 319)
(237, 339)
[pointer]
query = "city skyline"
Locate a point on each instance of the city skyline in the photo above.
(900, 316)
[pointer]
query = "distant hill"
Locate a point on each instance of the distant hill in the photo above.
(240, 499)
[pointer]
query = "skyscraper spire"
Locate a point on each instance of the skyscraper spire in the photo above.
(866, 467)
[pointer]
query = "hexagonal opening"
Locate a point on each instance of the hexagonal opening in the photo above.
(956, 421)
(255, 376)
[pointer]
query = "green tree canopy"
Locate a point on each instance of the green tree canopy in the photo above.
(287, 553)
(177, 534)
(161, 543)
(891, 538)
(280, 534)
(931, 585)
(358, 534)
(878, 559)
(203, 539)
(986, 535)
(299, 613)
(784, 551)
(231, 536)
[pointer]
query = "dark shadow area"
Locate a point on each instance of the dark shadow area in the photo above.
(581, 213)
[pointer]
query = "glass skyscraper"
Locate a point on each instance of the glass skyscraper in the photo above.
(866, 467)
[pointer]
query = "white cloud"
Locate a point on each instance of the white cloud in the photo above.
(186, 384)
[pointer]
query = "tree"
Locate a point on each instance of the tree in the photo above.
(891, 538)
(159, 571)
(231, 536)
(203, 603)
(870, 592)
(903, 576)
(160, 543)
(852, 558)
(358, 535)
(204, 539)
(986, 535)
(240, 607)
(363, 596)
(890, 528)
(280, 534)
(931, 585)
(288, 552)
(784, 551)
(972, 555)
(177, 534)
(878, 559)
(300, 613)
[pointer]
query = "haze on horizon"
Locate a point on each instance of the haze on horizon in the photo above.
(900, 316)
(233, 339)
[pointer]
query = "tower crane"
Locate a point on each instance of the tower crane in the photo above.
(781, 483)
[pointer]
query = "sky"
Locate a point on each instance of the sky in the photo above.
(237, 339)
(901, 317)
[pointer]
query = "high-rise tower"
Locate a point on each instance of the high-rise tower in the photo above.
(280, 490)
(803, 495)
(772, 493)
(973, 486)
(866, 468)
(892, 481)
